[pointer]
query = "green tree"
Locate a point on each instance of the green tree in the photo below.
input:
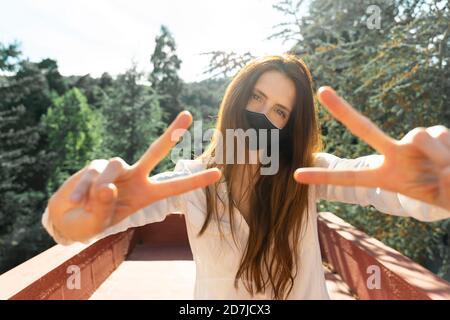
(74, 135)
(9, 54)
(133, 117)
(21, 234)
(203, 98)
(164, 77)
(397, 75)
(33, 86)
(96, 90)
(22, 170)
(55, 80)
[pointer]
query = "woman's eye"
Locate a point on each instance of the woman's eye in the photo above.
(281, 113)
(256, 97)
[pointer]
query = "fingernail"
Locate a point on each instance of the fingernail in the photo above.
(296, 175)
(75, 197)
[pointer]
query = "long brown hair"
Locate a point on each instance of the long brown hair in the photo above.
(278, 204)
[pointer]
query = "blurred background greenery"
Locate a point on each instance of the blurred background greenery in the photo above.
(52, 125)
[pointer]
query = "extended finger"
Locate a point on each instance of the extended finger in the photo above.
(362, 178)
(161, 147)
(357, 123)
(163, 189)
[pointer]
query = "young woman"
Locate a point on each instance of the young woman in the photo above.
(254, 235)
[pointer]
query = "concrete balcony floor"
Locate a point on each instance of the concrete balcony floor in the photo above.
(152, 272)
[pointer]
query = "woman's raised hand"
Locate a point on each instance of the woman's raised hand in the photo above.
(417, 166)
(107, 191)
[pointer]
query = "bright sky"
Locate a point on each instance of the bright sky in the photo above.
(107, 35)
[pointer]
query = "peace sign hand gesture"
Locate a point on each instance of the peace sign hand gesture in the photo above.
(417, 166)
(107, 191)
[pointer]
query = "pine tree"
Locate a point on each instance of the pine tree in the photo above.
(21, 234)
(164, 77)
(8, 56)
(23, 168)
(133, 117)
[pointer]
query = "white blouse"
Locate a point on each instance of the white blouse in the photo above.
(217, 260)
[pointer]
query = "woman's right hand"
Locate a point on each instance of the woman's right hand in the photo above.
(107, 191)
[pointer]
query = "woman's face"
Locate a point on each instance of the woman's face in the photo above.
(274, 96)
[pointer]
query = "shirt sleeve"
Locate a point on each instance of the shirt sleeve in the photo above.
(385, 201)
(155, 212)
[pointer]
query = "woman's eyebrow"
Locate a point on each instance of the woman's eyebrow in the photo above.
(283, 107)
(264, 95)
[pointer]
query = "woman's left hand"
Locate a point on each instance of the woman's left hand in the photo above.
(417, 166)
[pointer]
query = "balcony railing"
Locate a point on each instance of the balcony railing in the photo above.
(155, 262)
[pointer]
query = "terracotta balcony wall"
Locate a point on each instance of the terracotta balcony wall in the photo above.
(354, 256)
(155, 262)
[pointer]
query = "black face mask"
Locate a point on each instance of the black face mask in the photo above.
(259, 121)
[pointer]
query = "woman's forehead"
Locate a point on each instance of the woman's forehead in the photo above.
(277, 87)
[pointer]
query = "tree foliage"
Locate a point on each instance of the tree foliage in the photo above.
(133, 117)
(74, 134)
(164, 77)
(397, 75)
